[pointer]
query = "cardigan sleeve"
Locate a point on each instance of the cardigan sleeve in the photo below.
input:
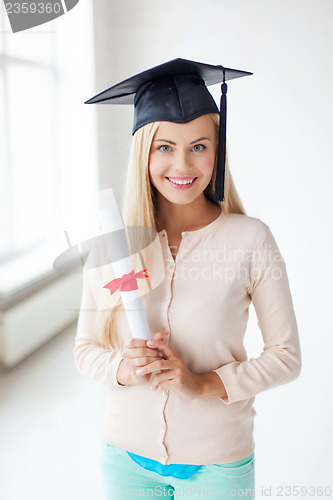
(91, 358)
(280, 361)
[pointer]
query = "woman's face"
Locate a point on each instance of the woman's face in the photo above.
(182, 159)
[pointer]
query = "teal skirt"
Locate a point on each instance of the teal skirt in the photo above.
(124, 478)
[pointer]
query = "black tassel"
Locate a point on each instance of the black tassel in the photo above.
(220, 167)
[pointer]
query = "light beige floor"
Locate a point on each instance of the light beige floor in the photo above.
(50, 420)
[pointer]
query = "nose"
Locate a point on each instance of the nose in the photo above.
(182, 163)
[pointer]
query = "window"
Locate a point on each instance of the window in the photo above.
(48, 152)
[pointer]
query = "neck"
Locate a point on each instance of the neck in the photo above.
(178, 218)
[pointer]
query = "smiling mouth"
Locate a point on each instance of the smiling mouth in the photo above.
(182, 181)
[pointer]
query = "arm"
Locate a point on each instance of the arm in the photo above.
(280, 361)
(123, 374)
(211, 386)
(91, 358)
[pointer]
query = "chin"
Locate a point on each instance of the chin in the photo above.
(181, 200)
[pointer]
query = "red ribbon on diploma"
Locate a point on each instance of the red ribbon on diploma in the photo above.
(127, 282)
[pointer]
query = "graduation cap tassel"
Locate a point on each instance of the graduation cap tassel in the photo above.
(220, 170)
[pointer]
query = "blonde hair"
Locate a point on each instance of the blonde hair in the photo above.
(140, 209)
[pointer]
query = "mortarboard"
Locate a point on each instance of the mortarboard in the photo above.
(176, 91)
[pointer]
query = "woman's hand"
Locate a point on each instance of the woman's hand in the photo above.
(174, 374)
(135, 354)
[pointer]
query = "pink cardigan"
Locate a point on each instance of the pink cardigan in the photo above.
(202, 301)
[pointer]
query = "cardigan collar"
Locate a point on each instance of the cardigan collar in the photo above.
(198, 233)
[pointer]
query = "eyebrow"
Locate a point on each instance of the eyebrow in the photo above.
(174, 144)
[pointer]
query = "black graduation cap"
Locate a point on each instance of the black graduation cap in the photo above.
(176, 91)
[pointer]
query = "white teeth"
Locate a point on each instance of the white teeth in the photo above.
(181, 182)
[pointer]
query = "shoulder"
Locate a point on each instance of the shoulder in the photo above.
(245, 228)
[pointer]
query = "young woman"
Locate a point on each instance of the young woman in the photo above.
(180, 416)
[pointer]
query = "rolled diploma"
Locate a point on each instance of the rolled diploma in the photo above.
(110, 221)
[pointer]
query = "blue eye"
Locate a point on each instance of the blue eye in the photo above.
(198, 147)
(165, 148)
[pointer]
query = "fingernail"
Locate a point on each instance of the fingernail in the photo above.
(138, 371)
(150, 343)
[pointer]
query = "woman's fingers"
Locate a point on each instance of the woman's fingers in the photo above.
(142, 361)
(136, 355)
(138, 347)
(145, 355)
(156, 366)
(163, 346)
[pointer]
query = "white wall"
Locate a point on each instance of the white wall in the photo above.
(280, 147)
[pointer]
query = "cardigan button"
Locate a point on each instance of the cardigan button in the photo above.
(184, 234)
